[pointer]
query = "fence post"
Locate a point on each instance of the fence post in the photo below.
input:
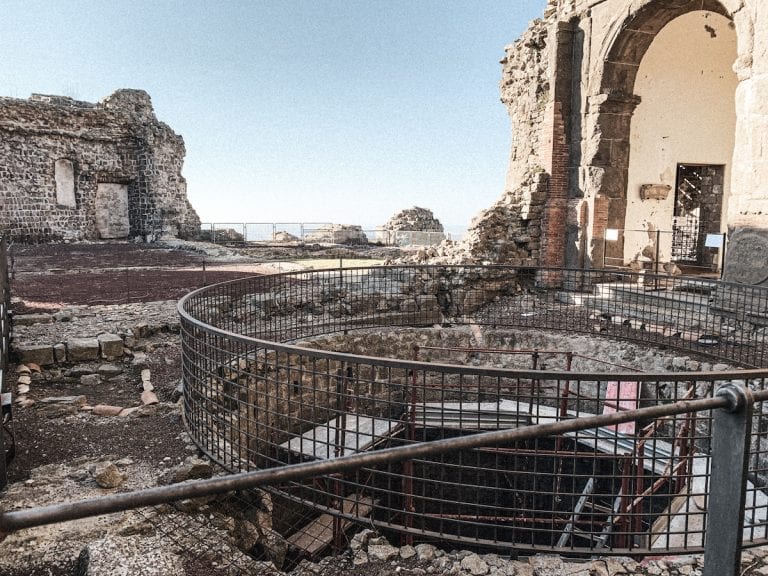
(727, 495)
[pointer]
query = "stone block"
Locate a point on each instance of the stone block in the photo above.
(111, 345)
(107, 410)
(90, 380)
(108, 371)
(82, 349)
(141, 330)
(27, 319)
(59, 406)
(60, 352)
(129, 339)
(41, 354)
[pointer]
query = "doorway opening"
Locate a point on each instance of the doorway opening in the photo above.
(698, 212)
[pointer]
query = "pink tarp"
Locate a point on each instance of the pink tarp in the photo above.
(621, 396)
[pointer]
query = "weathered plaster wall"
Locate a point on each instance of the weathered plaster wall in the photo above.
(55, 154)
(687, 114)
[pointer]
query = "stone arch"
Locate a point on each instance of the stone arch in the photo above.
(614, 103)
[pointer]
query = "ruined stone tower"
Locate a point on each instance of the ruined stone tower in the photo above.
(639, 133)
(76, 170)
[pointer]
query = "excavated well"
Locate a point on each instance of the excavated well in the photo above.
(317, 366)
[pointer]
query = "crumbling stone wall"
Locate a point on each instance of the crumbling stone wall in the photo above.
(509, 232)
(412, 226)
(569, 86)
(77, 170)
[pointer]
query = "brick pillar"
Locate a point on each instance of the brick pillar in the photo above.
(554, 156)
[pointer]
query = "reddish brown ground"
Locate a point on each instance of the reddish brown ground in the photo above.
(52, 276)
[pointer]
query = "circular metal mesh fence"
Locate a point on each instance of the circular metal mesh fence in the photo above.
(260, 391)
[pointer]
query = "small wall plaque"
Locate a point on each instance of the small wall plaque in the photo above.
(654, 191)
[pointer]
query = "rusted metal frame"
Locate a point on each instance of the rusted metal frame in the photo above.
(656, 486)
(598, 360)
(685, 440)
(569, 454)
(515, 352)
(534, 384)
(563, 415)
(635, 508)
(522, 519)
(343, 405)
(625, 465)
(408, 468)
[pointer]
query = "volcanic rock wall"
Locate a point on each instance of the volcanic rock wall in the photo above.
(77, 170)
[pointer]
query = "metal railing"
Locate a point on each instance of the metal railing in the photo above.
(254, 399)
(287, 384)
(313, 232)
(733, 406)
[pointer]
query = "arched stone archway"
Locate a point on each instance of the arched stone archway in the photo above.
(611, 108)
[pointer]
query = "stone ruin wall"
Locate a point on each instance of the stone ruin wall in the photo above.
(72, 170)
(568, 85)
(509, 232)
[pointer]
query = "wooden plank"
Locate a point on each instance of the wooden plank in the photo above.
(318, 534)
(360, 434)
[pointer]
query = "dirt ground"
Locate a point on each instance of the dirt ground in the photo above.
(51, 277)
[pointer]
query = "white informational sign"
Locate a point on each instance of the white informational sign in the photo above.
(714, 241)
(611, 235)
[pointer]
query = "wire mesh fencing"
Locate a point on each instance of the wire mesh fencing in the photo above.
(256, 400)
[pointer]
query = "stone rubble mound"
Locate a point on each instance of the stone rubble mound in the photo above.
(416, 219)
(337, 234)
(413, 226)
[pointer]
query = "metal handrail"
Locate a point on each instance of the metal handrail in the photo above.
(19, 519)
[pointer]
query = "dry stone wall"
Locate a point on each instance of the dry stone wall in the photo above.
(77, 170)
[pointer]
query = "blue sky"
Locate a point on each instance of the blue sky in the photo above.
(291, 111)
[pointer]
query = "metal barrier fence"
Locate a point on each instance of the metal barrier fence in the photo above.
(657, 249)
(313, 232)
(733, 406)
(442, 442)
(254, 401)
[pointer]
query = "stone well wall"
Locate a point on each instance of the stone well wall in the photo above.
(77, 170)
